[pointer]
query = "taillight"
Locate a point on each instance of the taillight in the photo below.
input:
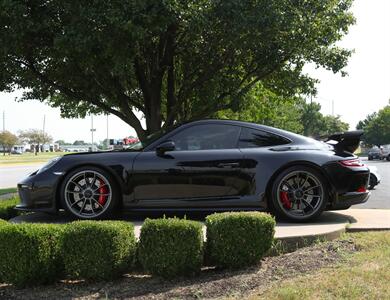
(362, 189)
(355, 162)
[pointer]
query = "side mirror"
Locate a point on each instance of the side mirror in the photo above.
(165, 147)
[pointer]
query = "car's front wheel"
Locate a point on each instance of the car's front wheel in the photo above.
(299, 194)
(89, 193)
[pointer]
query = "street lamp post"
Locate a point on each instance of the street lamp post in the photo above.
(92, 131)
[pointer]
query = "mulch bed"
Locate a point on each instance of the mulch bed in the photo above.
(210, 284)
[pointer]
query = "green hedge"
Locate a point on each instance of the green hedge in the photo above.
(98, 249)
(7, 208)
(238, 239)
(29, 253)
(171, 247)
(3, 222)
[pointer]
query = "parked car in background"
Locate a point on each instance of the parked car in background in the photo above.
(374, 153)
(385, 152)
(375, 177)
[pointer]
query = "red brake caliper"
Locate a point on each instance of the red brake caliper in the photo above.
(103, 190)
(285, 200)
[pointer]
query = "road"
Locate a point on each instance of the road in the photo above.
(11, 175)
(380, 196)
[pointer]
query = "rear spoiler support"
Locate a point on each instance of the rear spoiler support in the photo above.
(346, 141)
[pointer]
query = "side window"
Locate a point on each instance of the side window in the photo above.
(251, 138)
(207, 136)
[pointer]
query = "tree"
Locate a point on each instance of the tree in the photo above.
(265, 107)
(60, 142)
(332, 124)
(363, 124)
(79, 143)
(7, 140)
(317, 125)
(171, 60)
(377, 127)
(35, 137)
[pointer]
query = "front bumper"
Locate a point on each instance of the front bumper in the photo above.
(37, 192)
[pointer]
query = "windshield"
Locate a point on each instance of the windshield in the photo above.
(151, 138)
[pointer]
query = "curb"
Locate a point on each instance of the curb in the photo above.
(295, 242)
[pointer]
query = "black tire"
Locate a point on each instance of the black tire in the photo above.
(281, 211)
(370, 158)
(372, 182)
(388, 158)
(107, 187)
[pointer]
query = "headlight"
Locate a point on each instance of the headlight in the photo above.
(49, 164)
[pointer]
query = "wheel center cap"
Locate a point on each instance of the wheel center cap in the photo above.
(298, 194)
(88, 194)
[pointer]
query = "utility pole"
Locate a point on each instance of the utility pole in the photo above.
(107, 141)
(3, 120)
(44, 124)
(333, 108)
(92, 131)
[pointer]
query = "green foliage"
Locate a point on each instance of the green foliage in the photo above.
(238, 239)
(171, 247)
(7, 208)
(29, 253)
(35, 136)
(98, 249)
(7, 140)
(3, 222)
(315, 124)
(171, 60)
(265, 107)
(376, 127)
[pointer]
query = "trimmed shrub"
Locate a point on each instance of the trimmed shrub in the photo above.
(98, 249)
(7, 208)
(171, 247)
(3, 222)
(238, 239)
(30, 254)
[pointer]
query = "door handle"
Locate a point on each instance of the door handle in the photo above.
(228, 165)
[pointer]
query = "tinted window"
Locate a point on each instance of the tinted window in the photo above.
(207, 136)
(251, 138)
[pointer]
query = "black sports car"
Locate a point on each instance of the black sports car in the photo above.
(208, 165)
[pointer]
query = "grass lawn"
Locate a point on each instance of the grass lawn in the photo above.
(362, 275)
(27, 158)
(8, 191)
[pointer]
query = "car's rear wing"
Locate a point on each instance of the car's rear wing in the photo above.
(346, 141)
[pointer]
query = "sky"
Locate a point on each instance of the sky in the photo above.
(366, 88)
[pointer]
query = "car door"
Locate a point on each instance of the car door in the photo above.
(203, 170)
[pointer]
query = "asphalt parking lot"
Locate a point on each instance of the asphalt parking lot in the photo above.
(380, 196)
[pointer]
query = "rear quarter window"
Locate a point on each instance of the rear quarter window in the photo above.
(253, 138)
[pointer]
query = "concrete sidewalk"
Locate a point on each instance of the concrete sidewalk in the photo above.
(329, 226)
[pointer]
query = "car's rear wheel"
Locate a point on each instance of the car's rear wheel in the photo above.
(89, 193)
(299, 194)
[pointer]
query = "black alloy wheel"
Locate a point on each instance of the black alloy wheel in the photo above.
(89, 193)
(299, 194)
